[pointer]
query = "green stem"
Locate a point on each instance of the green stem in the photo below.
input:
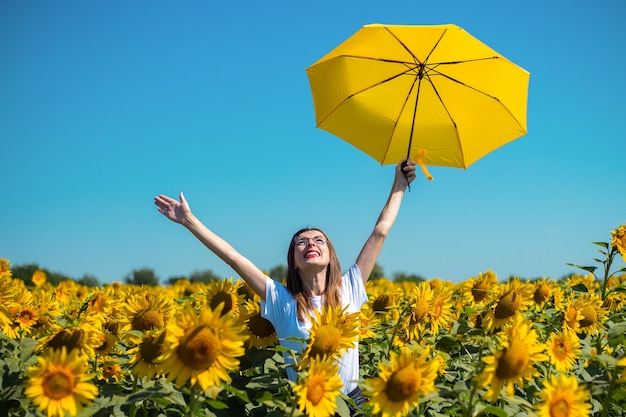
(470, 402)
(133, 407)
(607, 267)
(193, 401)
(607, 400)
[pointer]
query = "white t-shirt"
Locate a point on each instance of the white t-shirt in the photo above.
(280, 309)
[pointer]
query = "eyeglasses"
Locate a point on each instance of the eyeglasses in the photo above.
(304, 241)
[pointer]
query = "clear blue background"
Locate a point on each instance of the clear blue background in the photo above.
(104, 104)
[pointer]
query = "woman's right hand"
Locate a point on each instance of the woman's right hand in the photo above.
(176, 211)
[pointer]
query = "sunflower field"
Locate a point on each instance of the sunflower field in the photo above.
(481, 347)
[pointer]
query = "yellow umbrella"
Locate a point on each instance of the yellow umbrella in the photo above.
(432, 93)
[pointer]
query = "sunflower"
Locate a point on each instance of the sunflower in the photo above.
(514, 363)
(148, 310)
(572, 314)
(585, 314)
(109, 369)
(414, 324)
(563, 350)
(441, 310)
(618, 240)
(588, 281)
(223, 291)
(401, 383)
(333, 331)
(478, 290)
(512, 300)
(383, 296)
(203, 347)
(39, 278)
(145, 356)
(543, 290)
(59, 385)
(368, 321)
(318, 391)
(562, 397)
(260, 330)
(21, 313)
(83, 337)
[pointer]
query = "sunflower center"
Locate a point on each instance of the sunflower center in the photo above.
(326, 341)
(480, 290)
(508, 305)
(152, 347)
(559, 408)
(381, 303)
(403, 384)
(147, 319)
(541, 294)
(260, 327)
(570, 316)
(222, 297)
(68, 338)
(590, 317)
(420, 309)
(513, 361)
(315, 389)
(58, 385)
(200, 348)
(560, 351)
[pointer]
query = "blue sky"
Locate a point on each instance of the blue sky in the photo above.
(105, 104)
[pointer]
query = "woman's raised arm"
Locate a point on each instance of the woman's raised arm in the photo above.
(179, 212)
(366, 260)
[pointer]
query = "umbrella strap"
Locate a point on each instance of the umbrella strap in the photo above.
(420, 162)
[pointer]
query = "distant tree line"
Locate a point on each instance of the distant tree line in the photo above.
(148, 277)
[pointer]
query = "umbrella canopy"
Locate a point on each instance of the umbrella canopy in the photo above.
(432, 93)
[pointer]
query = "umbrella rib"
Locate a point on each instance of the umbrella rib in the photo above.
(406, 100)
(409, 69)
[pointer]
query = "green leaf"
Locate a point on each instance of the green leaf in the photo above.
(490, 409)
(241, 394)
(216, 404)
(605, 245)
(617, 334)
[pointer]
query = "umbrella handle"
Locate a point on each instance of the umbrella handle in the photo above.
(420, 162)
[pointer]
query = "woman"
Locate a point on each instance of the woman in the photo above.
(313, 273)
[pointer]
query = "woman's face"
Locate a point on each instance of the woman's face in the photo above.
(311, 250)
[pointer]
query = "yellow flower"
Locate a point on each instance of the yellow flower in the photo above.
(562, 397)
(83, 337)
(260, 330)
(478, 290)
(203, 347)
(223, 291)
(622, 364)
(21, 313)
(59, 385)
(593, 315)
(317, 393)
(563, 350)
(415, 323)
(513, 299)
(147, 310)
(333, 331)
(543, 290)
(618, 240)
(109, 369)
(514, 363)
(441, 310)
(145, 357)
(39, 278)
(367, 323)
(401, 383)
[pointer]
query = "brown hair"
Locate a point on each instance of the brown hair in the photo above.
(331, 296)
